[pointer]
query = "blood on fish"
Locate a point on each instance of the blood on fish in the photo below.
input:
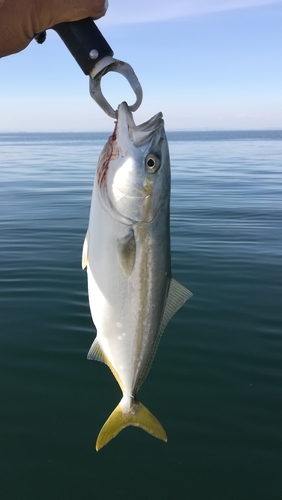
(109, 153)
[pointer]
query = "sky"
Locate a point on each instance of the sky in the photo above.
(206, 64)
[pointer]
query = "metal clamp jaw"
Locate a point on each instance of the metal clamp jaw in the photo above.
(95, 57)
(100, 69)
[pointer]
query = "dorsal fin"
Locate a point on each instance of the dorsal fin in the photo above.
(177, 296)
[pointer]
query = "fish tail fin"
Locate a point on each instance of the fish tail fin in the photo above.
(134, 414)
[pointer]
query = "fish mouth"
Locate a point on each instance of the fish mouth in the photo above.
(140, 134)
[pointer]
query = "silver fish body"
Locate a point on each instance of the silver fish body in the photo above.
(131, 292)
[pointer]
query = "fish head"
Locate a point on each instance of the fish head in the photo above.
(137, 173)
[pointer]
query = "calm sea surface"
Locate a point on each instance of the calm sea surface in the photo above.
(216, 381)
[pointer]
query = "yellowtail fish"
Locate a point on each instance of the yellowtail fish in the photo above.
(132, 294)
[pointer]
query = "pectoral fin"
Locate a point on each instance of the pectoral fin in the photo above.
(126, 252)
(177, 296)
(84, 261)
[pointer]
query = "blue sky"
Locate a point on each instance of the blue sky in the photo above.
(206, 64)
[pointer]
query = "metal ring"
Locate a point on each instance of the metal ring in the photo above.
(110, 64)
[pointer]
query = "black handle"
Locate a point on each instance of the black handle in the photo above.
(85, 42)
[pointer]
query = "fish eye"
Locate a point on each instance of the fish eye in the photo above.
(152, 163)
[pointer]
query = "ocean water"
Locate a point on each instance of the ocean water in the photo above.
(216, 381)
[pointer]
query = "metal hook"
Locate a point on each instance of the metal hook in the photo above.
(102, 67)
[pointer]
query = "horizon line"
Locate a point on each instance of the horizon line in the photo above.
(272, 129)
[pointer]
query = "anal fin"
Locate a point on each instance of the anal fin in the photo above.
(96, 352)
(84, 261)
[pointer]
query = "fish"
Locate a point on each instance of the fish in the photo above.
(126, 251)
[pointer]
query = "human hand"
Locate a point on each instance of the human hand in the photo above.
(21, 19)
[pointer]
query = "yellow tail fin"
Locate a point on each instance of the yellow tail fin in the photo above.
(136, 415)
